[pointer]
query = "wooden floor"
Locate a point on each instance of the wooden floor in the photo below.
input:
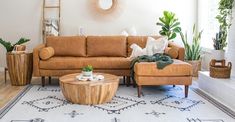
(8, 92)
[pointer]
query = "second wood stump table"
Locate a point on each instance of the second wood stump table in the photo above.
(89, 92)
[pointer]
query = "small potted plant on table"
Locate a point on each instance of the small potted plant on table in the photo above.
(87, 71)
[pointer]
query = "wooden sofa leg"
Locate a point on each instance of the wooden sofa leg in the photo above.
(43, 81)
(139, 90)
(173, 85)
(128, 80)
(134, 84)
(186, 90)
(49, 80)
(124, 80)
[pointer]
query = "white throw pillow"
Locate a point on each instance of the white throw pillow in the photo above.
(137, 51)
(154, 46)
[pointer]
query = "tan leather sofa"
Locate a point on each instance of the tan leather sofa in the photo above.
(108, 54)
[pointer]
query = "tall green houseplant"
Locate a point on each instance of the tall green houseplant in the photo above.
(192, 51)
(224, 18)
(169, 25)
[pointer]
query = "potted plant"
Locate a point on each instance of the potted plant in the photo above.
(169, 24)
(192, 51)
(218, 43)
(87, 71)
(225, 21)
(17, 78)
(9, 46)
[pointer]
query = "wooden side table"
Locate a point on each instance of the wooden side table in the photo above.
(20, 68)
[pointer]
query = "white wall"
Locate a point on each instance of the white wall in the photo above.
(22, 18)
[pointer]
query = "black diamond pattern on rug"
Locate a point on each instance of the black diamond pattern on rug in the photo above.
(47, 103)
(119, 104)
(183, 104)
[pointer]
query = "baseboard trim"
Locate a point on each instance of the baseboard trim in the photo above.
(2, 69)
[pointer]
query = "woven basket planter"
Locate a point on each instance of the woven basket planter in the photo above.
(220, 71)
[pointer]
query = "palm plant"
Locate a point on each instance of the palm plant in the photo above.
(9, 46)
(192, 52)
(169, 24)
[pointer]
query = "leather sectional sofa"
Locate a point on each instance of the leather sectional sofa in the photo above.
(108, 54)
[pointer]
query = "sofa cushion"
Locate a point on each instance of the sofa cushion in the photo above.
(46, 53)
(112, 46)
(68, 46)
(139, 40)
(178, 68)
(70, 63)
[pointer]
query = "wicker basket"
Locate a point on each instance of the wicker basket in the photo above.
(220, 71)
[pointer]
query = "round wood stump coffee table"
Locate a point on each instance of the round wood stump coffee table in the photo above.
(89, 92)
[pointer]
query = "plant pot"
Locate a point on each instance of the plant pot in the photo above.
(20, 68)
(87, 74)
(218, 54)
(196, 67)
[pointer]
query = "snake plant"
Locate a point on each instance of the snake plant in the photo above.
(192, 51)
(9, 46)
(169, 24)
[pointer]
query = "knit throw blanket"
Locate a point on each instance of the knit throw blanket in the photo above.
(162, 60)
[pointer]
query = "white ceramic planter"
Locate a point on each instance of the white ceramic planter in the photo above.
(87, 74)
(218, 54)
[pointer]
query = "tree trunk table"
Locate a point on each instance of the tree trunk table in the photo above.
(20, 68)
(89, 92)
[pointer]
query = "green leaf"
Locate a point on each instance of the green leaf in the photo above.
(172, 36)
(177, 29)
(175, 24)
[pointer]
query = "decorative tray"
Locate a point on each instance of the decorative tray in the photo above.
(92, 78)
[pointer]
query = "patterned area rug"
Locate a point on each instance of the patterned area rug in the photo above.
(159, 104)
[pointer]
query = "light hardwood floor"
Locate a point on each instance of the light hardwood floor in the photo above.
(8, 92)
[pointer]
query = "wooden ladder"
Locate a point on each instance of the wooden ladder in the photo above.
(55, 26)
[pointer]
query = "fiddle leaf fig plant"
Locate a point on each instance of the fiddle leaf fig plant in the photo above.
(9, 46)
(169, 24)
(192, 51)
(225, 21)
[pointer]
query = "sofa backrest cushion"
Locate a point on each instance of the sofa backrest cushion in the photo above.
(110, 46)
(67, 45)
(139, 40)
